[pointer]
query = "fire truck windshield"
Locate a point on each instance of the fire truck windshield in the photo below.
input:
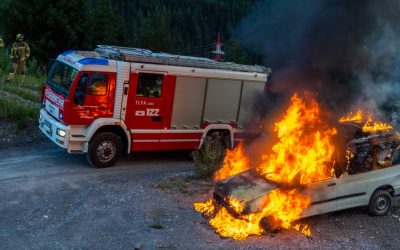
(61, 77)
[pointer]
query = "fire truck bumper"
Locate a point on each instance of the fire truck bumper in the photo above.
(53, 129)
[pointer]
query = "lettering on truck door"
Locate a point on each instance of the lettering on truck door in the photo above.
(144, 114)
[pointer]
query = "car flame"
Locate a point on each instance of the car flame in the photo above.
(304, 151)
(367, 122)
(302, 155)
(373, 127)
(235, 161)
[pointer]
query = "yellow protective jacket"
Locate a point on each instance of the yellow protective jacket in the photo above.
(1, 42)
(20, 52)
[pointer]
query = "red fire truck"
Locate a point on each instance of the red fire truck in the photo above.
(116, 99)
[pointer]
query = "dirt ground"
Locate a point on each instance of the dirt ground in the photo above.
(52, 200)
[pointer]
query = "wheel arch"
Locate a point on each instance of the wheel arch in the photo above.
(224, 128)
(111, 125)
(387, 187)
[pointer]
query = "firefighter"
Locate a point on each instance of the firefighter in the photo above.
(20, 52)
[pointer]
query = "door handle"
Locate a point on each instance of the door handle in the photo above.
(331, 184)
(156, 118)
(102, 107)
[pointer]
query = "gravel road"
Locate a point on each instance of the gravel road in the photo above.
(52, 200)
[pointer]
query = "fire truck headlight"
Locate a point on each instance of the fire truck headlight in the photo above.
(61, 132)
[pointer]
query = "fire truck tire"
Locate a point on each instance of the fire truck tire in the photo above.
(104, 150)
(215, 139)
(380, 203)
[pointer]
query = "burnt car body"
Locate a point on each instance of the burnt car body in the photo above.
(370, 177)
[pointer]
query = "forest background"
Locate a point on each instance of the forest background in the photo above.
(175, 26)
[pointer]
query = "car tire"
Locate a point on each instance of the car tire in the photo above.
(380, 203)
(104, 150)
(268, 224)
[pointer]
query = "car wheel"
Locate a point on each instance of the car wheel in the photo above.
(104, 150)
(380, 203)
(268, 224)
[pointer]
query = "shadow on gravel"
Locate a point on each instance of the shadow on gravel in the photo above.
(181, 156)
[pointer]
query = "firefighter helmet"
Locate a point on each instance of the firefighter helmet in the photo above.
(20, 37)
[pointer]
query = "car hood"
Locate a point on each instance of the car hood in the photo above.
(247, 187)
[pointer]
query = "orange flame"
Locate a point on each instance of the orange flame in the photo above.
(373, 127)
(236, 205)
(302, 155)
(207, 208)
(235, 161)
(239, 229)
(304, 149)
(358, 117)
(369, 124)
(282, 208)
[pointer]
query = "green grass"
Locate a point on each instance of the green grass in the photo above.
(21, 91)
(15, 110)
(20, 102)
(188, 185)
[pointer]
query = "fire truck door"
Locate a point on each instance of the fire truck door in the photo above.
(145, 113)
(91, 99)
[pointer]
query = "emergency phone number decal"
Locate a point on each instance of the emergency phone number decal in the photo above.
(148, 112)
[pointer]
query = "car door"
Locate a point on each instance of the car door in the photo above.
(323, 196)
(361, 178)
(353, 189)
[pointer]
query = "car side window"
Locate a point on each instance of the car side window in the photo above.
(97, 84)
(149, 85)
(385, 154)
(365, 158)
(359, 159)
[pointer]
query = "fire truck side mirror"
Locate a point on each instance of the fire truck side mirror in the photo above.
(80, 91)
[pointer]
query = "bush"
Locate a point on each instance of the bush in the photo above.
(35, 69)
(210, 156)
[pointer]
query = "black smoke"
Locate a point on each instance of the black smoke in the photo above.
(344, 51)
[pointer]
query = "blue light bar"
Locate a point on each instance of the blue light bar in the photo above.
(93, 61)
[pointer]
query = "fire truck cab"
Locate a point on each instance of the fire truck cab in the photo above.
(116, 99)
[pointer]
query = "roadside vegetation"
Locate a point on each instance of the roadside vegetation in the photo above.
(20, 102)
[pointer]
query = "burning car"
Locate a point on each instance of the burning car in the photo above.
(369, 175)
(311, 167)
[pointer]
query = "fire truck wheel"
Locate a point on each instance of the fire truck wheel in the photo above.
(104, 150)
(380, 203)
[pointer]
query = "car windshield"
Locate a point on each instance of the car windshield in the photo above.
(61, 77)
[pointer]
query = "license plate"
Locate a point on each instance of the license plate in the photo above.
(47, 125)
(52, 109)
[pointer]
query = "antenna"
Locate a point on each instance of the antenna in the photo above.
(218, 50)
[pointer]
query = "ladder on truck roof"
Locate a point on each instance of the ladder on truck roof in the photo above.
(147, 56)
